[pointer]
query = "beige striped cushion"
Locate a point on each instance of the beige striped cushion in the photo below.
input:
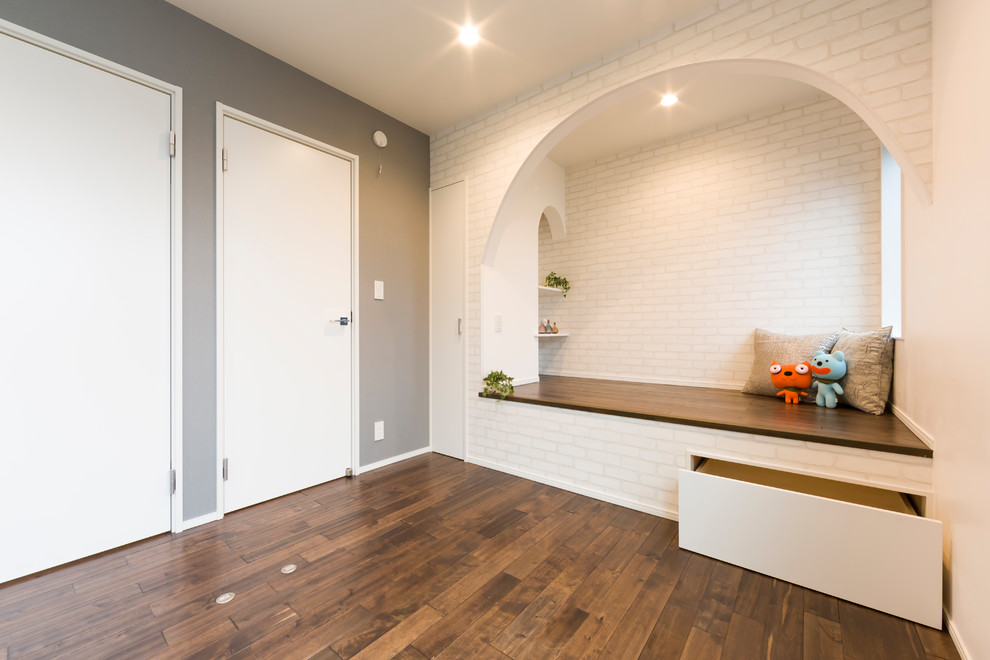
(869, 368)
(785, 349)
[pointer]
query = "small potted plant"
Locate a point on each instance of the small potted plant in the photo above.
(555, 281)
(498, 384)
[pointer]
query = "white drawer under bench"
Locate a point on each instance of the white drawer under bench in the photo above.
(860, 543)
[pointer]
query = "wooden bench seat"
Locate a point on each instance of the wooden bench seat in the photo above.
(727, 410)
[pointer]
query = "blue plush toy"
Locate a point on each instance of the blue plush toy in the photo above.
(828, 369)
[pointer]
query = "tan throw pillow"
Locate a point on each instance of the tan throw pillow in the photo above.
(785, 349)
(870, 366)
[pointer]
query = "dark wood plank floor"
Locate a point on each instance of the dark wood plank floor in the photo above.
(726, 410)
(435, 558)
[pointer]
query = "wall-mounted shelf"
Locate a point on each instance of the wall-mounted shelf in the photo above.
(549, 288)
(547, 335)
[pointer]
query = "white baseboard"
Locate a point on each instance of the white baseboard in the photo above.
(913, 426)
(201, 520)
(954, 634)
(394, 459)
(580, 490)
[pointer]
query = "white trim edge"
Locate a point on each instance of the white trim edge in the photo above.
(913, 426)
(395, 459)
(954, 635)
(580, 490)
(202, 520)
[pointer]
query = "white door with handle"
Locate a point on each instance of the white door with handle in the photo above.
(284, 281)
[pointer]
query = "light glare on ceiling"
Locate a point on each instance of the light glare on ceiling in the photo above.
(668, 100)
(469, 35)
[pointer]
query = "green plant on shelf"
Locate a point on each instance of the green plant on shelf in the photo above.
(498, 384)
(555, 281)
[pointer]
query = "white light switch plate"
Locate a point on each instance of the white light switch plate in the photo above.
(379, 290)
(379, 431)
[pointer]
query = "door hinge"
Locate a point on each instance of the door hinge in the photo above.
(225, 472)
(223, 158)
(171, 143)
(171, 482)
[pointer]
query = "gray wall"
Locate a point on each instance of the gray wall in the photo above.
(162, 41)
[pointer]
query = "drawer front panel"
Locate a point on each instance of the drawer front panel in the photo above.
(885, 560)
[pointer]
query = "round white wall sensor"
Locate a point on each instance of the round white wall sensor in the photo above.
(379, 138)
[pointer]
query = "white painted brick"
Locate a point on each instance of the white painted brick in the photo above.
(919, 473)
(805, 456)
(676, 305)
(622, 214)
(865, 464)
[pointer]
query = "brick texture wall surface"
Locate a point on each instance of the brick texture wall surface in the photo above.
(880, 51)
(635, 462)
(676, 251)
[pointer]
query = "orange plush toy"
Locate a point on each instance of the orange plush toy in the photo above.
(791, 379)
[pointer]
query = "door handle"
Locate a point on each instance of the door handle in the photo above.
(343, 320)
(460, 326)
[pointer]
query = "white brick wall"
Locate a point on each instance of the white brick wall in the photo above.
(635, 462)
(879, 51)
(676, 251)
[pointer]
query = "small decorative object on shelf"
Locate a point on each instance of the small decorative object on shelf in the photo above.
(555, 330)
(555, 281)
(499, 384)
(543, 328)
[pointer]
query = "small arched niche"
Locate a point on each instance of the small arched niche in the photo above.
(510, 307)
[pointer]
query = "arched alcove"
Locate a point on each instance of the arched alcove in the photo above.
(755, 67)
(501, 253)
(555, 220)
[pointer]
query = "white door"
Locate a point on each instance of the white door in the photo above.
(285, 376)
(85, 309)
(447, 263)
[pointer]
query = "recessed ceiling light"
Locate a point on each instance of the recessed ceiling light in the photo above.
(668, 99)
(469, 35)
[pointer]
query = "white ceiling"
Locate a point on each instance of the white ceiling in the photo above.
(403, 56)
(705, 99)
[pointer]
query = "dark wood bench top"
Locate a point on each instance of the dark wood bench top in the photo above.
(726, 410)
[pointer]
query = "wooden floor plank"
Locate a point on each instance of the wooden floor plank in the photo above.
(819, 604)
(753, 599)
(674, 626)
(441, 634)
(744, 637)
(785, 622)
(493, 622)
(432, 557)
(700, 645)
(527, 626)
(822, 638)
(607, 610)
(718, 601)
(640, 619)
(868, 634)
(399, 637)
